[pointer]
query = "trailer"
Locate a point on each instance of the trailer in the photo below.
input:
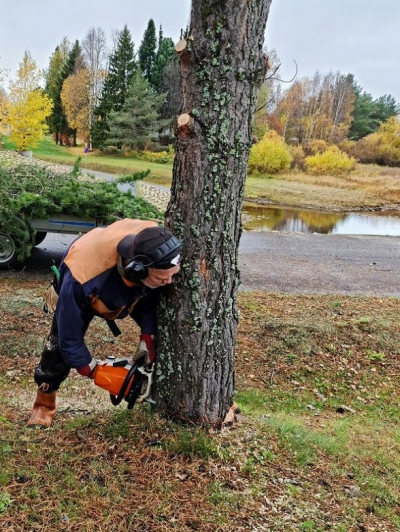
(59, 223)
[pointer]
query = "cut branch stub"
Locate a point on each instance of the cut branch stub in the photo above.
(185, 124)
(183, 50)
(181, 46)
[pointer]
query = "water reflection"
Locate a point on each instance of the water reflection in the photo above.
(272, 218)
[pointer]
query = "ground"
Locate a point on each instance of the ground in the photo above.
(315, 447)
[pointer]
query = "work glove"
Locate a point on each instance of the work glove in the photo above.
(146, 349)
(87, 371)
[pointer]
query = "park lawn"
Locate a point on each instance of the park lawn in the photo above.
(112, 164)
(316, 447)
(367, 187)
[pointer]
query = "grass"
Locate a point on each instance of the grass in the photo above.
(369, 186)
(114, 164)
(295, 460)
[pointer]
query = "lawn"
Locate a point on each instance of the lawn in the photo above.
(316, 447)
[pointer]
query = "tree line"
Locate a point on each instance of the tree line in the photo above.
(111, 100)
(126, 98)
(123, 98)
(323, 110)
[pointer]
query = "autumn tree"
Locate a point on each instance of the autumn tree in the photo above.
(317, 108)
(59, 123)
(222, 66)
(29, 107)
(3, 107)
(94, 50)
(75, 98)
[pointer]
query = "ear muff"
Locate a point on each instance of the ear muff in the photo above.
(135, 271)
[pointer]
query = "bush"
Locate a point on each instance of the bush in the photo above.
(298, 156)
(161, 157)
(389, 149)
(367, 149)
(316, 146)
(271, 155)
(331, 162)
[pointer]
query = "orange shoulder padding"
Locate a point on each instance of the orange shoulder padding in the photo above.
(96, 251)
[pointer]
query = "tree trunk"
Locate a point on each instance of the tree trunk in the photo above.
(222, 67)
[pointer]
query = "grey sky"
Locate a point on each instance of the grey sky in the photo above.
(356, 36)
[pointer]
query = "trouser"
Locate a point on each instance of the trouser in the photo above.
(52, 369)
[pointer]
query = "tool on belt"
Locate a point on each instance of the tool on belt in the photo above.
(124, 380)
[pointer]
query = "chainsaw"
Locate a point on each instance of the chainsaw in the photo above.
(124, 380)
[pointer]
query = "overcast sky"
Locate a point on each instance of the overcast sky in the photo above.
(350, 36)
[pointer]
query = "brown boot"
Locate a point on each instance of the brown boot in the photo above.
(44, 409)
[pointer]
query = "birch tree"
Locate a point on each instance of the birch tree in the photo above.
(28, 106)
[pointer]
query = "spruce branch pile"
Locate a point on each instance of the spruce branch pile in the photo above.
(29, 192)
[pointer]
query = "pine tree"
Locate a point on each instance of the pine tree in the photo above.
(121, 70)
(147, 52)
(137, 121)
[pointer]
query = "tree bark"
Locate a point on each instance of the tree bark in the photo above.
(222, 67)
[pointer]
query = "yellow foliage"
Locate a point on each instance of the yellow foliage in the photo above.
(270, 155)
(3, 110)
(75, 100)
(389, 148)
(27, 119)
(298, 156)
(331, 162)
(316, 146)
(28, 107)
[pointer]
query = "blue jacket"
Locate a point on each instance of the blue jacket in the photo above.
(90, 284)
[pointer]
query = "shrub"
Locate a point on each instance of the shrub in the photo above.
(367, 150)
(161, 157)
(298, 156)
(270, 155)
(331, 162)
(389, 149)
(316, 146)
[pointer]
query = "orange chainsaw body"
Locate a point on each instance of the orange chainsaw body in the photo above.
(111, 377)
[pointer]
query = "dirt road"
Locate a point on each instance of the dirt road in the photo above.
(294, 263)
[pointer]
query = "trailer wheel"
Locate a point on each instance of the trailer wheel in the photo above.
(39, 237)
(8, 250)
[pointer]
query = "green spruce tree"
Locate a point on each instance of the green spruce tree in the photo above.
(138, 120)
(58, 120)
(121, 70)
(53, 83)
(369, 113)
(147, 52)
(164, 56)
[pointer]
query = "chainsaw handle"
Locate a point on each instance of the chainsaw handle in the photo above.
(116, 399)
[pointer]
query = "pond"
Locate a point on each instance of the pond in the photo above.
(273, 218)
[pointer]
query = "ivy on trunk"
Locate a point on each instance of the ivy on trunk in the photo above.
(222, 66)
